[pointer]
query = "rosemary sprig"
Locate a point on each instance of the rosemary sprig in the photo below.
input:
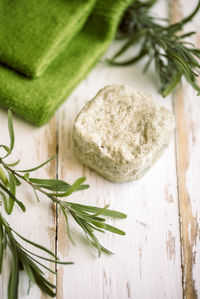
(23, 259)
(89, 218)
(172, 55)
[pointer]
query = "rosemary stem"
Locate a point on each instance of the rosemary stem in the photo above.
(34, 186)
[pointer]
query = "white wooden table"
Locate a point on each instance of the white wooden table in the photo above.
(160, 255)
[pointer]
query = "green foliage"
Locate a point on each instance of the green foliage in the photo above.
(172, 55)
(87, 217)
(23, 259)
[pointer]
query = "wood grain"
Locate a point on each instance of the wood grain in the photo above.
(160, 255)
(33, 146)
(186, 106)
(147, 261)
(188, 221)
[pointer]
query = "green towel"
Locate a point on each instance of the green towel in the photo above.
(34, 32)
(37, 99)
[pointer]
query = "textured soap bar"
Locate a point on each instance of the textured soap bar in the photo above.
(121, 133)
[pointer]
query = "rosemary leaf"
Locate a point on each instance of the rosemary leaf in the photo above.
(92, 209)
(173, 57)
(87, 217)
(11, 130)
(37, 167)
(20, 204)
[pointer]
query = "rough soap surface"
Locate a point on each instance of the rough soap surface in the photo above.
(121, 133)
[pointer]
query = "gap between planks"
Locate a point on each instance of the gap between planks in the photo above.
(187, 221)
(51, 133)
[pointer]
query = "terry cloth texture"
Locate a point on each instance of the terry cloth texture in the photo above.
(34, 32)
(37, 99)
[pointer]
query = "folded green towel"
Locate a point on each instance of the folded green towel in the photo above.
(34, 32)
(37, 99)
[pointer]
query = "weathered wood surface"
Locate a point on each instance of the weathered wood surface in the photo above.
(38, 223)
(187, 109)
(159, 256)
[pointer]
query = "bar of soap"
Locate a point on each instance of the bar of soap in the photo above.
(121, 132)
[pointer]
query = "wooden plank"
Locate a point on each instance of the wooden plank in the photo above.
(187, 110)
(150, 252)
(33, 146)
(147, 261)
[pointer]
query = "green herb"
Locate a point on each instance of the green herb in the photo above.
(172, 55)
(89, 218)
(23, 259)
